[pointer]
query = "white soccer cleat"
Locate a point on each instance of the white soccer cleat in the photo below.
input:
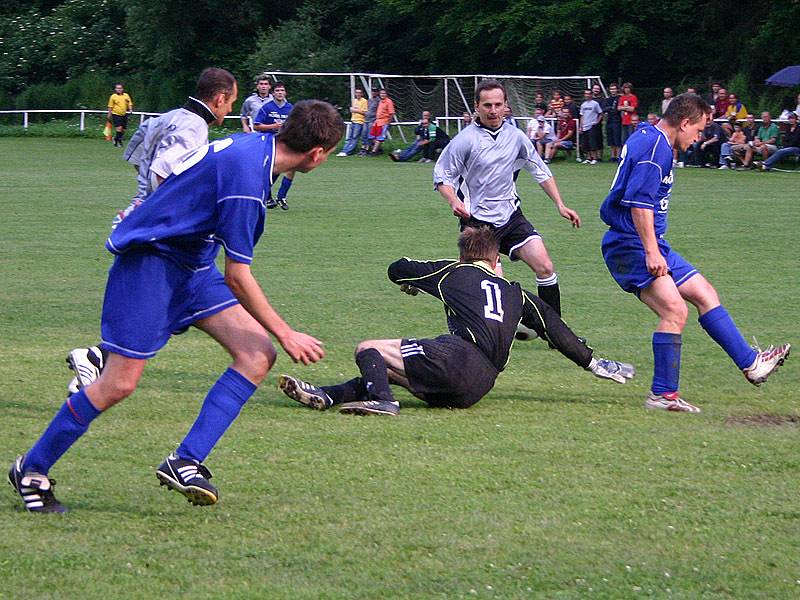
(87, 363)
(73, 387)
(342, 154)
(525, 334)
(671, 402)
(766, 362)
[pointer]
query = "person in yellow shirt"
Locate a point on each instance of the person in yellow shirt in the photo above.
(119, 107)
(735, 108)
(358, 110)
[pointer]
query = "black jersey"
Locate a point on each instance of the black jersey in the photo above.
(485, 309)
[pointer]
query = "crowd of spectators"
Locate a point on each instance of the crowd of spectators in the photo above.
(733, 138)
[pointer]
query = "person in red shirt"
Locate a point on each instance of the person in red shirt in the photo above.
(628, 103)
(565, 132)
(382, 119)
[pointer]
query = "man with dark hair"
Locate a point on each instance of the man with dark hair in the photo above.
(253, 103)
(613, 122)
(159, 145)
(164, 279)
(120, 106)
(475, 175)
(591, 119)
(358, 110)
(270, 118)
(791, 144)
(643, 263)
(458, 369)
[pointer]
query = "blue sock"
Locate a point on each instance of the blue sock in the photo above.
(69, 424)
(719, 325)
(667, 362)
(222, 405)
(284, 189)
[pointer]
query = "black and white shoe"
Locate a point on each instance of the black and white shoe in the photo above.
(305, 393)
(389, 408)
(282, 203)
(87, 363)
(35, 489)
(270, 203)
(188, 477)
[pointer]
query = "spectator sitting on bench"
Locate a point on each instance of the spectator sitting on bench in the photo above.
(565, 139)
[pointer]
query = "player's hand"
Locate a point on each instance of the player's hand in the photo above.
(571, 215)
(302, 347)
(656, 264)
(409, 289)
(459, 209)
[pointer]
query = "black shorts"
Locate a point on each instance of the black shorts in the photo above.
(447, 371)
(593, 139)
(120, 121)
(511, 236)
(614, 134)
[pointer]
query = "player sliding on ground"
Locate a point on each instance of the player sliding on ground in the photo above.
(643, 263)
(164, 280)
(458, 369)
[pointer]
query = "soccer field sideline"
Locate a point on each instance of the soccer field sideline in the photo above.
(555, 485)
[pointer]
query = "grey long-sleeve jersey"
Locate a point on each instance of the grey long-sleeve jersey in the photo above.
(479, 164)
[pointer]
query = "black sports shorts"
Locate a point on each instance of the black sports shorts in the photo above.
(511, 236)
(120, 121)
(447, 371)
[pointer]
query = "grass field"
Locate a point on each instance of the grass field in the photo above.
(556, 485)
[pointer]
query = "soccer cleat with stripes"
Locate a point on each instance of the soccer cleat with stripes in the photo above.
(766, 362)
(611, 369)
(371, 407)
(87, 364)
(671, 401)
(35, 489)
(305, 393)
(188, 477)
(73, 387)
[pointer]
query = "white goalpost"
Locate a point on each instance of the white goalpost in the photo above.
(446, 96)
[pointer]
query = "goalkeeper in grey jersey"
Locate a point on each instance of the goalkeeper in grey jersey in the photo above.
(475, 175)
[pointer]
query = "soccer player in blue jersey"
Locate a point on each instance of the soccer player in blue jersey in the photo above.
(270, 119)
(643, 263)
(164, 279)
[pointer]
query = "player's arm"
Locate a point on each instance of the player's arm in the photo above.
(541, 173)
(300, 346)
(539, 316)
(423, 275)
(266, 127)
(446, 173)
(643, 220)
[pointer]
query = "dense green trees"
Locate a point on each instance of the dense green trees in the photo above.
(48, 45)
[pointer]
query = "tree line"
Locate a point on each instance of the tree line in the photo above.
(57, 53)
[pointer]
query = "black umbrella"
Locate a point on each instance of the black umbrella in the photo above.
(786, 77)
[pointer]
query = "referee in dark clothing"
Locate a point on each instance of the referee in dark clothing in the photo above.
(458, 369)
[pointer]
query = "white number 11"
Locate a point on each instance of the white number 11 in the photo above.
(494, 302)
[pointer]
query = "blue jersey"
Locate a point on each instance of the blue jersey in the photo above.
(272, 113)
(643, 180)
(215, 197)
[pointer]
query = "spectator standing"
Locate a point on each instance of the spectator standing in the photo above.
(735, 108)
(358, 112)
(540, 103)
(383, 116)
(270, 118)
(613, 122)
(711, 98)
(791, 144)
(120, 106)
(628, 103)
(591, 115)
(721, 107)
(253, 103)
(652, 118)
(668, 96)
(555, 105)
(369, 120)
(571, 106)
(466, 119)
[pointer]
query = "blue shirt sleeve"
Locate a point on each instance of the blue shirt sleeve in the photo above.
(641, 190)
(262, 115)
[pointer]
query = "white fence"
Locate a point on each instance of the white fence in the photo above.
(82, 112)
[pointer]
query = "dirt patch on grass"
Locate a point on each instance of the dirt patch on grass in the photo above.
(764, 420)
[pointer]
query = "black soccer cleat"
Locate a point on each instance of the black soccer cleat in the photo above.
(35, 489)
(305, 393)
(390, 408)
(283, 204)
(188, 477)
(271, 203)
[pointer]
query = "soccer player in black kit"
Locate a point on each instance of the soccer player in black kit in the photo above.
(458, 369)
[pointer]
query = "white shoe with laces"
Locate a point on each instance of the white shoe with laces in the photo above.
(766, 362)
(671, 402)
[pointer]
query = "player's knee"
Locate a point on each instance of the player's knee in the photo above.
(108, 392)
(362, 346)
(677, 313)
(256, 362)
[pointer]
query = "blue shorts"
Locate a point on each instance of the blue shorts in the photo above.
(567, 144)
(149, 297)
(624, 256)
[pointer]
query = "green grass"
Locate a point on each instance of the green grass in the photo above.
(556, 485)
